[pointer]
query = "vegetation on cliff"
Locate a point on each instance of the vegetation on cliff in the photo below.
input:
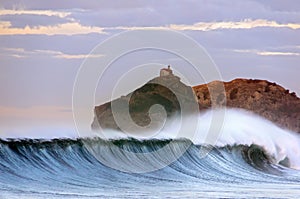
(264, 98)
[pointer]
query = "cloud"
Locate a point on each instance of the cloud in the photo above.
(211, 26)
(267, 53)
(78, 56)
(19, 50)
(72, 28)
(137, 28)
(21, 18)
(4, 24)
(61, 55)
(49, 13)
(158, 13)
(244, 24)
(22, 53)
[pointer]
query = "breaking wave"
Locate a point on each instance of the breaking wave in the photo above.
(249, 150)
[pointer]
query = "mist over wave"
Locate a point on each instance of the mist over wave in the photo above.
(245, 128)
(240, 127)
(250, 154)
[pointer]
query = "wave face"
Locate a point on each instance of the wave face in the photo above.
(65, 168)
(252, 158)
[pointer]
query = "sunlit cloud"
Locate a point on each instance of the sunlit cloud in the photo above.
(49, 13)
(72, 28)
(61, 55)
(245, 24)
(4, 24)
(210, 26)
(78, 56)
(267, 53)
(22, 53)
(137, 28)
(17, 56)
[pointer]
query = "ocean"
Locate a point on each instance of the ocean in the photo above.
(252, 158)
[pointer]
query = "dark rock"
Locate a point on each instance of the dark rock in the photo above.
(264, 98)
(165, 91)
(259, 96)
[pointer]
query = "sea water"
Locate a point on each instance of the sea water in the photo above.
(252, 158)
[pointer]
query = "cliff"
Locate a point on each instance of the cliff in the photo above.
(161, 90)
(264, 98)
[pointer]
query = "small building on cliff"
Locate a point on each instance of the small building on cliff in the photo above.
(166, 72)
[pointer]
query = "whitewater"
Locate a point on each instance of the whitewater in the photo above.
(251, 158)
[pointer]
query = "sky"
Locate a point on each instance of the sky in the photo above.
(43, 44)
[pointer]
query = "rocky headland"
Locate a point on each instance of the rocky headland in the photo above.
(264, 98)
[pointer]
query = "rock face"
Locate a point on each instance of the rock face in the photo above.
(259, 96)
(163, 90)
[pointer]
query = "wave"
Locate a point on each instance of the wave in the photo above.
(26, 158)
(239, 127)
(67, 168)
(245, 128)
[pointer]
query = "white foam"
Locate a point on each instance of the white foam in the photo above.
(239, 128)
(245, 128)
